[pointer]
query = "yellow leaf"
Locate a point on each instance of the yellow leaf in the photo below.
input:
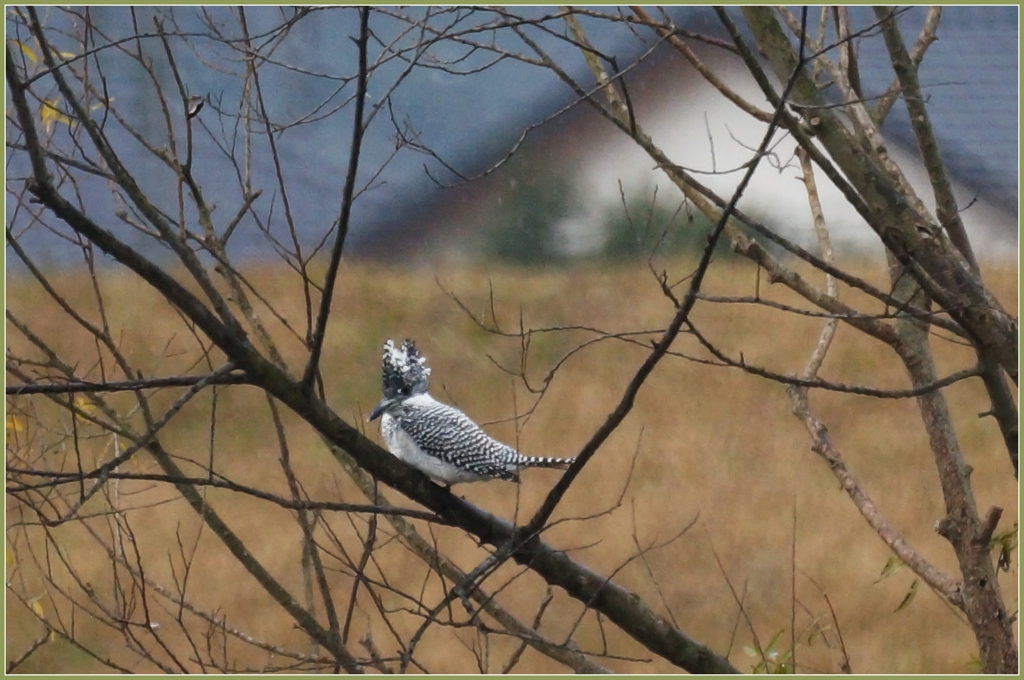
(37, 607)
(50, 114)
(85, 404)
(67, 55)
(13, 425)
(27, 51)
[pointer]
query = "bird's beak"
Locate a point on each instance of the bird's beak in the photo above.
(378, 409)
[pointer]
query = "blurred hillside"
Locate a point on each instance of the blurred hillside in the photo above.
(704, 445)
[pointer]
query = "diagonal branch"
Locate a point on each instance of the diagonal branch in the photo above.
(808, 379)
(670, 34)
(821, 443)
(924, 41)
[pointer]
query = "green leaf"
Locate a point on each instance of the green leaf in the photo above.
(892, 565)
(911, 594)
(774, 640)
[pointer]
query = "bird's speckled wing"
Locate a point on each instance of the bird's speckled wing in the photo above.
(447, 433)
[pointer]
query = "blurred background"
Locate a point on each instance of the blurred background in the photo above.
(487, 192)
(461, 111)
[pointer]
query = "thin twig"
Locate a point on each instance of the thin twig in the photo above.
(317, 338)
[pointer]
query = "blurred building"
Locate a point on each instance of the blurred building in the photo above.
(969, 77)
(463, 107)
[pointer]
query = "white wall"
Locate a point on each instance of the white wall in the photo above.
(703, 132)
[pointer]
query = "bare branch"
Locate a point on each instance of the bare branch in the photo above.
(128, 385)
(709, 75)
(316, 340)
(821, 443)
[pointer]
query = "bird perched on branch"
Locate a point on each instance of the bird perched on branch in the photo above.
(435, 438)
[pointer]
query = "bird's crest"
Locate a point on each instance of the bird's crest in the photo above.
(404, 370)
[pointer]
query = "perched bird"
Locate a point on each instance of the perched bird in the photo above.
(435, 438)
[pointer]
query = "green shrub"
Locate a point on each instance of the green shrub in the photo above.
(524, 231)
(644, 228)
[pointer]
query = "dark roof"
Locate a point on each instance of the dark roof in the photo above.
(970, 81)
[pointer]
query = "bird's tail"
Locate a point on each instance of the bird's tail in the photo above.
(545, 462)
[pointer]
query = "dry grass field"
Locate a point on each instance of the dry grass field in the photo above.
(715, 450)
